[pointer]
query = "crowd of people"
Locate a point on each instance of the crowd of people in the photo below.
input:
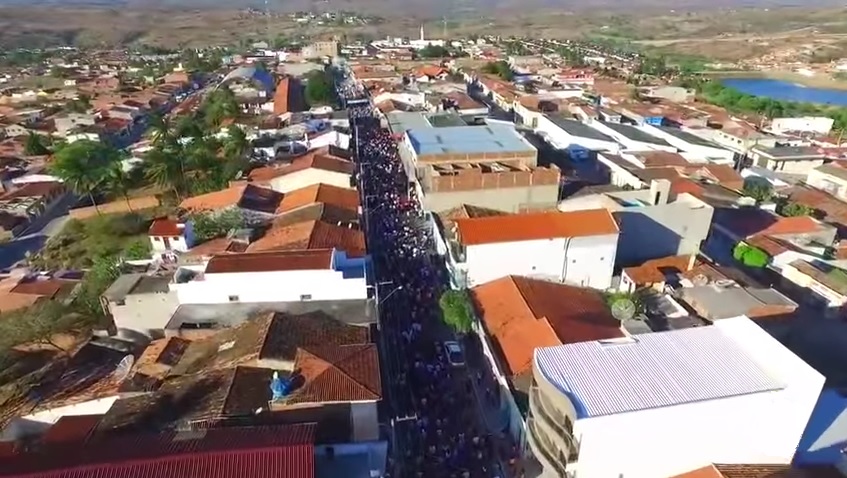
(437, 425)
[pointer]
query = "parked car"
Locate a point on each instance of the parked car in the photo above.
(455, 354)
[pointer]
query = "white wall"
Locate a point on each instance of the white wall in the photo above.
(759, 428)
(834, 299)
(278, 286)
(810, 124)
(716, 154)
(309, 177)
(629, 143)
(145, 313)
(365, 421)
(827, 182)
(585, 261)
(790, 166)
(619, 176)
(41, 421)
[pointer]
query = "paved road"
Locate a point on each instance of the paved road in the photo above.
(34, 237)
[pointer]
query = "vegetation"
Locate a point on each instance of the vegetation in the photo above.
(35, 146)
(319, 88)
(456, 310)
(211, 225)
(793, 209)
(82, 242)
(636, 298)
(219, 105)
(499, 68)
(759, 191)
(750, 256)
(433, 51)
(84, 166)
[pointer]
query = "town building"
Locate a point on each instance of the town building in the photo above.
(140, 302)
(654, 223)
(575, 248)
(632, 138)
(830, 178)
(738, 396)
(309, 170)
(169, 235)
(577, 138)
(788, 159)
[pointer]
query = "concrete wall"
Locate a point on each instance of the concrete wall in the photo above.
(790, 166)
(827, 182)
(584, 261)
(365, 421)
(309, 177)
(506, 199)
(145, 313)
(651, 232)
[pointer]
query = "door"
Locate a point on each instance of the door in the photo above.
(167, 241)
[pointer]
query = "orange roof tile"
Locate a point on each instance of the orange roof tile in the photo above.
(661, 158)
(535, 226)
(338, 374)
(326, 162)
(705, 472)
(311, 235)
(655, 271)
(165, 226)
(523, 314)
(320, 193)
(270, 261)
(793, 225)
(772, 246)
(725, 175)
(215, 200)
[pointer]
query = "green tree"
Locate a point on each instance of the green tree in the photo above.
(118, 182)
(319, 88)
(83, 165)
(166, 169)
(216, 224)
(98, 278)
(499, 68)
(750, 256)
(189, 127)
(456, 310)
(761, 192)
(161, 131)
(236, 144)
(34, 145)
(794, 209)
(219, 105)
(433, 51)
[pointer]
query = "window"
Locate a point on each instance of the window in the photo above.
(157, 239)
(175, 238)
(233, 298)
(120, 302)
(306, 297)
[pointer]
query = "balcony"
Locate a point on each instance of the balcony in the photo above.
(559, 423)
(542, 448)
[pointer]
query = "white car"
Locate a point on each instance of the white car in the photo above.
(455, 354)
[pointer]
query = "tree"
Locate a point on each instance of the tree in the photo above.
(499, 68)
(162, 131)
(456, 310)
(189, 127)
(319, 88)
(217, 224)
(759, 191)
(166, 169)
(750, 256)
(40, 324)
(236, 143)
(97, 279)
(117, 181)
(433, 51)
(83, 166)
(35, 145)
(793, 209)
(219, 105)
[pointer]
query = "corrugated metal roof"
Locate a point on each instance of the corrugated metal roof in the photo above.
(468, 140)
(652, 371)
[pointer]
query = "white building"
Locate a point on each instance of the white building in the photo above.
(140, 302)
(694, 147)
(169, 235)
(576, 248)
(803, 124)
(574, 136)
(273, 276)
(632, 138)
(662, 404)
(311, 170)
(831, 178)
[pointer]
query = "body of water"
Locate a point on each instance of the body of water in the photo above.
(787, 91)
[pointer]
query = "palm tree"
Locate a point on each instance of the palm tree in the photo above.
(236, 143)
(166, 169)
(117, 181)
(34, 145)
(161, 130)
(82, 165)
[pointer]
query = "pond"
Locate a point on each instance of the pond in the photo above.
(787, 91)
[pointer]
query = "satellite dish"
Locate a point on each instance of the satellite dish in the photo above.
(700, 279)
(123, 368)
(623, 309)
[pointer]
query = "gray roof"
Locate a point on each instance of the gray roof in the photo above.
(635, 134)
(400, 121)
(688, 137)
(578, 128)
(219, 316)
(129, 284)
(790, 152)
(468, 140)
(837, 171)
(653, 370)
(718, 303)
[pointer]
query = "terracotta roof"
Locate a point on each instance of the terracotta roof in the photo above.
(833, 209)
(71, 428)
(776, 471)
(430, 70)
(725, 175)
(164, 226)
(286, 333)
(523, 314)
(42, 287)
(320, 193)
(312, 235)
(245, 196)
(220, 245)
(832, 277)
(325, 162)
(258, 452)
(34, 189)
(534, 226)
(271, 261)
(746, 222)
(338, 374)
(772, 246)
(705, 472)
(281, 96)
(656, 271)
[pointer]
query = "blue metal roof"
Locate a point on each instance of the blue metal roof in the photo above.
(468, 140)
(653, 371)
